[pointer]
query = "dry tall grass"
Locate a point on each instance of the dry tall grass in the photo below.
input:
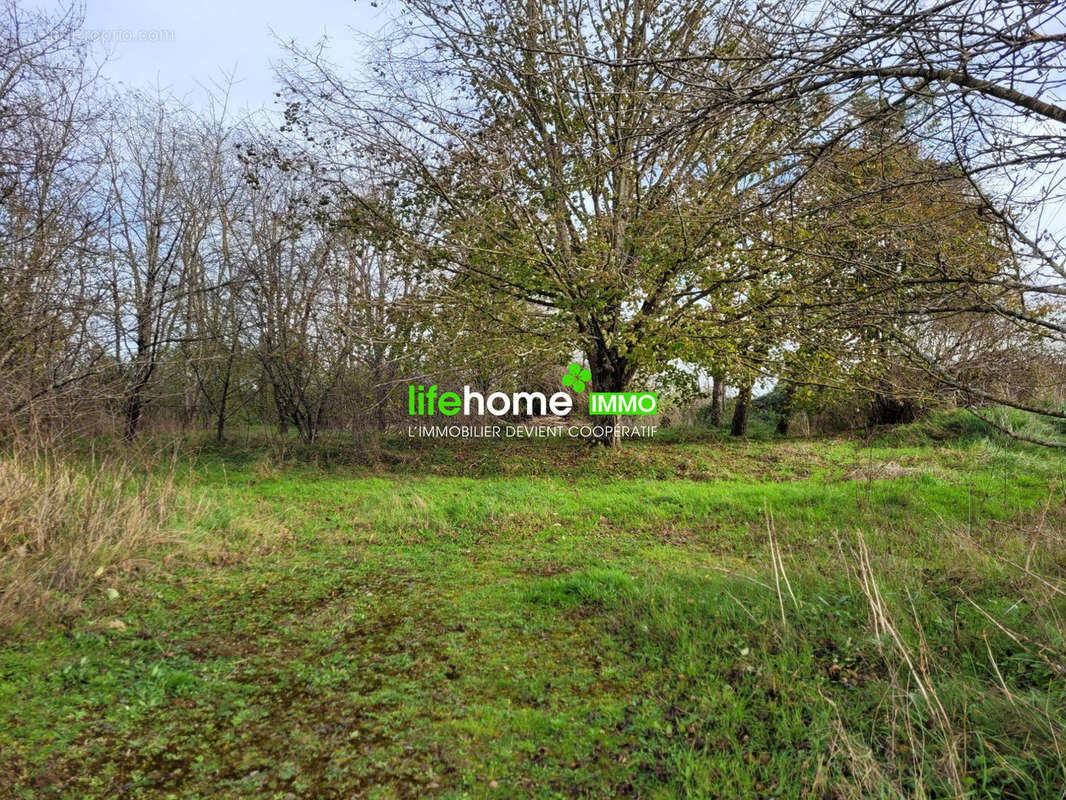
(967, 706)
(69, 525)
(943, 738)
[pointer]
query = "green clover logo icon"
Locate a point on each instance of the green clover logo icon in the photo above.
(576, 377)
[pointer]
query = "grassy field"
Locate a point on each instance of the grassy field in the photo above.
(703, 618)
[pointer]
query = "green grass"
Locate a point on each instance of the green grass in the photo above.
(541, 619)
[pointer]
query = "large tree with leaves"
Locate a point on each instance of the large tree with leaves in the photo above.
(565, 170)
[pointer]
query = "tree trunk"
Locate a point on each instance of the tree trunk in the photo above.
(613, 436)
(381, 409)
(220, 420)
(609, 374)
(740, 411)
(134, 406)
(783, 424)
(280, 408)
(190, 406)
(717, 398)
(380, 393)
(785, 410)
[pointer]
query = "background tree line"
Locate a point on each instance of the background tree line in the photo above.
(837, 200)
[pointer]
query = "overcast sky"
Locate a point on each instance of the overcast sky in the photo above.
(182, 44)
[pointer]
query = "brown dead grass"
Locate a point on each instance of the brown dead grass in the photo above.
(66, 526)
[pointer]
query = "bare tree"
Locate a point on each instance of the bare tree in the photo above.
(48, 222)
(382, 317)
(159, 215)
(296, 290)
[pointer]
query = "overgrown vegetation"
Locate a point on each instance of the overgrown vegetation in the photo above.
(810, 618)
(843, 575)
(813, 206)
(68, 527)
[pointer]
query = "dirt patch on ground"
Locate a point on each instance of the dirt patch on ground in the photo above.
(880, 472)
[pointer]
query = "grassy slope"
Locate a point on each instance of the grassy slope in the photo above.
(540, 620)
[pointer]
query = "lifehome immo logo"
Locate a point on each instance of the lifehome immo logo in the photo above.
(423, 401)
